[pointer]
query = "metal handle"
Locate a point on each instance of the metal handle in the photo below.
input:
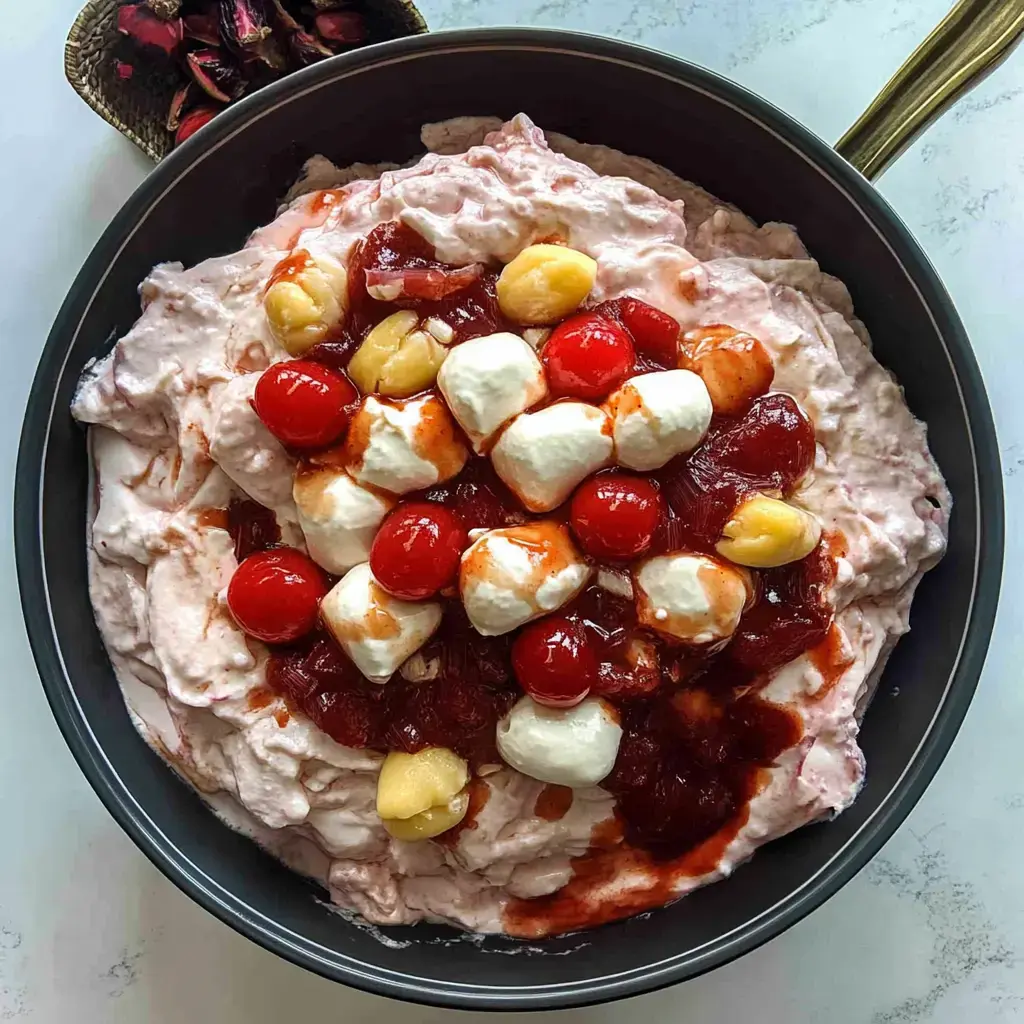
(975, 37)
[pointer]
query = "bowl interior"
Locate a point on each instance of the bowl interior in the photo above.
(209, 195)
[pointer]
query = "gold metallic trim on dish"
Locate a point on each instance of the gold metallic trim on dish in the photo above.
(973, 39)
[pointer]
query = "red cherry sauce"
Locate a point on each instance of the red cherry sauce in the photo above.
(471, 310)
(697, 742)
(628, 656)
(697, 738)
(655, 334)
(252, 527)
(480, 498)
(459, 708)
(769, 448)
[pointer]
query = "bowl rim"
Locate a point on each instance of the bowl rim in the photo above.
(841, 866)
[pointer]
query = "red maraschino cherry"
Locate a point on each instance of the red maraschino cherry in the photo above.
(554, 662)
(303, 403)
(417, 550)
(615, 515)
(586, 357)
(275, 595)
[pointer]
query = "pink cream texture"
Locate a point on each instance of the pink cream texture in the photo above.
(173, 434)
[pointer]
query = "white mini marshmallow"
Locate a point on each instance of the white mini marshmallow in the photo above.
(691, 597)
(658, 416)
(519, 573)
(574, 746)
(377, 631)
(338, 517)
(543, 455)
(402, 446)
(487, 381)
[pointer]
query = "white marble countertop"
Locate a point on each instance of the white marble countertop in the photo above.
(932, 931)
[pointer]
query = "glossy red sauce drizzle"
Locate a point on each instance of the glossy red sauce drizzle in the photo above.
(290, 267)
(324, 199)
(595, 894)
(697, 738)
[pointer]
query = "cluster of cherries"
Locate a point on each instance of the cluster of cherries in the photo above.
(275, 595)
(695, 733)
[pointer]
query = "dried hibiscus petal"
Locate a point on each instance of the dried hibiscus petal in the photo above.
(215, 74)
(193, 121)
(243, 23)
(178, 101)
(203, 28)
(285, 20)
(267, 52)
(346, 27)
(307, 49)
(431, 283)
(142, 26)
(123, 70)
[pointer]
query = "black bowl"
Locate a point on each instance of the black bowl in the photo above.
(208, 195)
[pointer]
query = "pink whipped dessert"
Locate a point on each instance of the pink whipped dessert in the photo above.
(511, 540)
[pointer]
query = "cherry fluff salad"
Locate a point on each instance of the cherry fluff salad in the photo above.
(495, 520)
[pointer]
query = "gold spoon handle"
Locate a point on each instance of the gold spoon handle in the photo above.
(975, 37)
